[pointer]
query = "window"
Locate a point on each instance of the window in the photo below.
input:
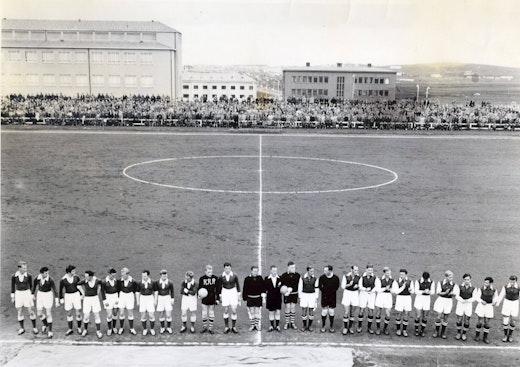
(340, 86)
(113, 57)
(146, 58)
(130, 81)
(64, 57)
(65, 79)
(185, 86)
(381, 81)
(147, 81)
(242, 87)
(129, 57)
(49, 79)
(186, 96)
(31, 56)
(97, 57)
(195, 86)
(326, 79)
(305, 79)
(387, 81)
(81, 80)
(376, 80)
(250, 87)
(294, 79)
(223, 87)
(233, 87)
(321, 79)
(213, 87)
(114, 80)
(48, 56)
(371, 80)
(33, 79)
(386, 93)
(204, 87)
(98, 80)
(15, 56)
(195, 96)
(81, 57)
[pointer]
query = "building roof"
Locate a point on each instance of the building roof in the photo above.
(188, 77)
(119, 45)
(85, 25)
(343, 69)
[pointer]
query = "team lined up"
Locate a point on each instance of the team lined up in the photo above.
(362, 294)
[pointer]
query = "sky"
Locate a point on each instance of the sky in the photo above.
(293, 32)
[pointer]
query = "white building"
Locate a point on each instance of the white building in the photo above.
(90, 57)
(215, 86)
(352, 82)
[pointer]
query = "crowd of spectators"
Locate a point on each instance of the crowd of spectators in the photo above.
(162, 111)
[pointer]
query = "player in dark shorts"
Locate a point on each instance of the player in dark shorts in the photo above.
(328, 284)
(211, 283)
(272, 285)
(252, 294)
(290, 279)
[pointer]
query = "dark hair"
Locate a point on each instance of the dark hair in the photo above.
(146, 271)
(489, 279)
(254, 267)
(329, 267)
(290, 263)
(466, 275)
(309, 267)
(44, 269)
(426, 275)
(273, 266)
(403, 271)
(112, 271)
(513, 277)
(370, 266)
(227, 264)
(90, 273)
(69, 268)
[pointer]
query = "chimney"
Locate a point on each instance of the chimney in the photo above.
(339, 64)
(369, 65)
(307, 64)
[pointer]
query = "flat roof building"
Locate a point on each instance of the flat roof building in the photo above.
(72, 57)
(340, 83)
(216, 86)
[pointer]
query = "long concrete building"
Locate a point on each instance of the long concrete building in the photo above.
(340, 83)
(90, 57)
(215, 86)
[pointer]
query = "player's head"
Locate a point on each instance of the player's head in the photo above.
(466, 278)
(513, 279)
(448, 274)
(124, 273)
(254, 270)
(227, 268)
(89, 274)
(112, 273)
(208, 270)
(145, 275)
(189, 276)
(22, 266)
(310, 270)
(273, 270)
(328, 269)
(164, 274)
(291, 267)
(71, 269)
(403, 273)
(370, 269)
(355, 269)
(426, 275)
(387, 272)
(488, 281)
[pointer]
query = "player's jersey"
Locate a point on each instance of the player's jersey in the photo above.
(406, 283)
(308, 284)
(425, 284)
(109, 286)
(253, 287)
(127, 286)
(230, 282)
(354, 279)
(466, 292)
(447, 288)
(386, 283)
(92, 287)
(368, 282)
(44, 284)
(512, 293)
(212, 285)
(328, 286)
(192, 288)
(145, 288)
(164, 288)
(69, 286)
(291, 280)
(21, 282)
(487, 294)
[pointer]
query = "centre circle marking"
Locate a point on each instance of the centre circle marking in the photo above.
(292, 192)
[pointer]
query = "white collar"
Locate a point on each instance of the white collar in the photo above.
(40, 277)
(228, 275)
(307, 275)
(19, 273)
(110, 280)
(191, 282)
(129, 279)
(271, 276)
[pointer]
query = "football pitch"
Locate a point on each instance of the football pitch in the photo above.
(156, 199)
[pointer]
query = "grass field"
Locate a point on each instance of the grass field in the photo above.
(65, 201)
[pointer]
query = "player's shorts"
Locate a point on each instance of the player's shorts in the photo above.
(464, 309)
(229, 297)
(164, 303)
(146, 304)
(403, 303)
(291, 298)
(328, 301)
(23, 299)
(308, 300)
(112, 299)
(72, 300)
(367, 300)
(486, 310)
(443, 305)
(189, 303)
(91, 304)
(510, 308)
(126, 300)
(422, 302)
(254, 301)
(350, 298)
(44, 300)
(384, 300)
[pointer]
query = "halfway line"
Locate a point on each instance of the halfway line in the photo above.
(260, 210)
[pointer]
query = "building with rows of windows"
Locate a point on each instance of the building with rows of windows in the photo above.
(216, 86)
(90, 57)
(340, 83)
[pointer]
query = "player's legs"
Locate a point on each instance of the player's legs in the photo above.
(258, 318)
(438, 324)
(97, 320)
(292, 314)
(324, 313)
(331, 313)
(459, 326)
(361, 316)
(226, 319)
(386, 321)
(204, 314)
(346, 315)
(352, 318)
(48, 317)
(370, 319)
(251, 313)
(169, 321)
(233, 318)
(211, 318)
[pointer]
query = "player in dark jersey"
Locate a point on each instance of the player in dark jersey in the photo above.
(328, 284)
(487, 298)
(273, 298)
(403, 289)
(165, 301)
(384, 300)
(211, 283)
(127, 287)
(71, 298)
(189, 289)
(443, 305)
(91, 288)
(308, 293)
(146, 295)
(22, 296)
(350, 300)
(46, 294)
(252, 292)
(510, 295)
(291, 280)
(110, 297)
(465, 296)
(424, 288)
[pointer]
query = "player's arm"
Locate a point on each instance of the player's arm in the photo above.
(395, 287)
(60, 293)
(478, 296)
(432, 289)
(194, 289)
(455, 290)
(103, 291)
(245, 289)
(456, 293)
(34, 285)
(30, 281)
(13, 282)
(501, 296)
(439, 289)
(377, 285)
(495, 298)
(237, 284)
(344, 281)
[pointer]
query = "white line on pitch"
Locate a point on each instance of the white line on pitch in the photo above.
(260, 214)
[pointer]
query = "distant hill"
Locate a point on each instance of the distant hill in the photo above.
(473, 72)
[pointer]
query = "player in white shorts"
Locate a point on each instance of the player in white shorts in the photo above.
(189, 289)
(91, 288)
(510, 295)
(384, 300)
(368, 284)
(350, 300)
(165, 301)
(487, 297)
(423, 289)
(403, 289)
(46, 295)
(127, 286)
(146, 295)
(22, 297)
(230, 297)
(465, 295)
(71, 298)
(308, 293)
(443, 305)
(110, 297)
